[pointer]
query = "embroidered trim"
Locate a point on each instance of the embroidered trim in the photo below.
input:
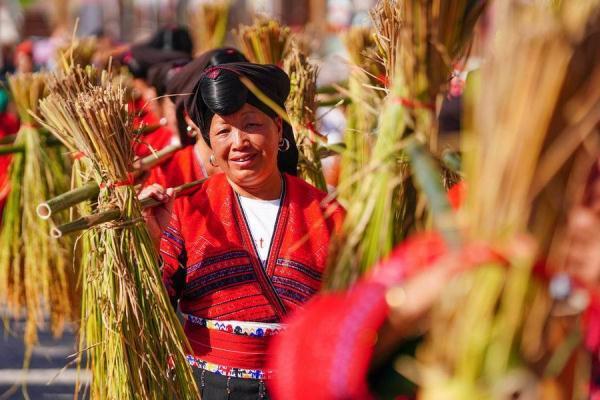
(219, 274)
(215, 259)
(216, 285)
(293, 284)
(263, 272)
(291, 295)
(229, 371)
(243, 328)
(299, 267)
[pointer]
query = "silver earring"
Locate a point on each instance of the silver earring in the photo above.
(284, 144)
(211, 160)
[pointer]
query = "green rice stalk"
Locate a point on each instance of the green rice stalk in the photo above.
(364, 84)
(301, 107)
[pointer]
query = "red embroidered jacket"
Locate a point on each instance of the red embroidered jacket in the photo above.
(222, 277)
(182, 167)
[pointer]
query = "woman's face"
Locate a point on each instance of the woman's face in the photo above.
(245, 145)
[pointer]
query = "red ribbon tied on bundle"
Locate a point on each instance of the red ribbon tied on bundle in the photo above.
(129, 181)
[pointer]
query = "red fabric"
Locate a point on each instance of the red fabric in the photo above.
(182, 167)
(224, 279)
(227, 349)
(326, 350)
(156, 140)
(456, 194)
(9, 125)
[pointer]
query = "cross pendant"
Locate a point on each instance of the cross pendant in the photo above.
(260, 243)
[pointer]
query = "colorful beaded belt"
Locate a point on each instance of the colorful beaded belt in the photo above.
(245, 328)
(229, 371)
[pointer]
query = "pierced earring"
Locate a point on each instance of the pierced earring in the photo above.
(212, 161)
(284, 144)
(191, 132)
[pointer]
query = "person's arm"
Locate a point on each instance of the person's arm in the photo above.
(409, 305)
(157, 218)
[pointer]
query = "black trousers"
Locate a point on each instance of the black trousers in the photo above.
(218, 387)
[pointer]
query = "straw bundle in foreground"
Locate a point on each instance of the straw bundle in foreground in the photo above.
(133, 340)
(533, 129)
(418, 40)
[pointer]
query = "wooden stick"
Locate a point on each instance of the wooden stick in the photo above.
(11, 149)
(89, 221)
(8, 139)
(91, 189)
(67, 200)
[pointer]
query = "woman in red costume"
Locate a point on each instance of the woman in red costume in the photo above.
(250, 245)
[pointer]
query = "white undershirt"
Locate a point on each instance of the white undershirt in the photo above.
(261, 216)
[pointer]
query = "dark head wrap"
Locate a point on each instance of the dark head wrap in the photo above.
(175, 38)
(181, 84)
(220, 91)
(140, 58)
(159, 75)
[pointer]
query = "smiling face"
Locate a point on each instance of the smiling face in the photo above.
(245, 146)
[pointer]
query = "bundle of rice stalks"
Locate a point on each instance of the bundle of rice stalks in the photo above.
(418, 40)
(37, 277)
(208, 23)
(366, 84)
(80, 51)
(533, 139)
(301, 106)
(266, 41)
(130, 333)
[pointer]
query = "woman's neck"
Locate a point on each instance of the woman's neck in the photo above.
(269, 189)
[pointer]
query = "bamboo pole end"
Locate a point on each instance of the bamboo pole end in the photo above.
(55, 233)
(43, 211)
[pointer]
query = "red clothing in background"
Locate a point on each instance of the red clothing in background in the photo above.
(182, 167)
(156, 140)
(9, 125)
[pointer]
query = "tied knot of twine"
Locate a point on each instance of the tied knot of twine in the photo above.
(313, 131)
(414, 104)
(78, 155)
(128, 181)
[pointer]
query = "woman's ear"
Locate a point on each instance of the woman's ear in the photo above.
(279, 123)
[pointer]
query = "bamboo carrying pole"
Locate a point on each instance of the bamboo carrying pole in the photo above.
(89, 221)
(91, 189)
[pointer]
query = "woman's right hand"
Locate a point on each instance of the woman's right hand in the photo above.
(157, 218)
